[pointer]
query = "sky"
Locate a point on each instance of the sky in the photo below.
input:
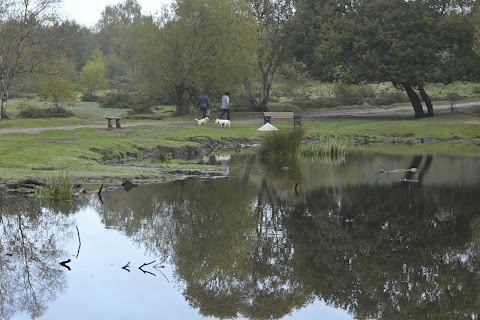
(87, 12)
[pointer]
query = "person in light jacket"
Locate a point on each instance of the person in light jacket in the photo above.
(225, 105)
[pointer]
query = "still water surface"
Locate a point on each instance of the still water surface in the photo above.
(317, 241)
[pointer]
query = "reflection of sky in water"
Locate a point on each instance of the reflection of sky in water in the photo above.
(98, 288)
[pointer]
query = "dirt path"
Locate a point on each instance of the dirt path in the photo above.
(371, 112)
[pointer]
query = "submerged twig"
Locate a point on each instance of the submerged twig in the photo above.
(79, 242)
(146, 264)
(99, 195)
(164, 276)
(125, 267)
(385, 170)
(64, 264)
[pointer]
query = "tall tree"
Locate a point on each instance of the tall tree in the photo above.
(78, 42)
(271, 17)
(25, 45)
(192, 49)
(92, 77)
(115, 32)
(407, 43)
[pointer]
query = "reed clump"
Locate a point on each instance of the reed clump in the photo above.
(332, 150)
(57, 188)
(282, 145)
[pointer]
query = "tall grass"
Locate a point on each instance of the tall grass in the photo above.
(330, 151)
(57, 189)
(283, 145)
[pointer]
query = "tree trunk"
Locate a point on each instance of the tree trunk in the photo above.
(261, 105)
(3, 112)
(427, 100)
(250, 95)
(414, 100)
(266, 87)
(180, 101)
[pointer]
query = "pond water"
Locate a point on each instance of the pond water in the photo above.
(317, 241)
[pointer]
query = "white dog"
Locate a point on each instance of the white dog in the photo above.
(201, 121)
(223, 123)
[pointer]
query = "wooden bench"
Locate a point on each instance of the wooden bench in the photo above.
(282, 116)
(117, 121)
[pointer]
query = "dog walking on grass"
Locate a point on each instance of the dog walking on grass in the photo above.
(223, 123)
(201, 121)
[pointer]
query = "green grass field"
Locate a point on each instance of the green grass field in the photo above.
(127, 153)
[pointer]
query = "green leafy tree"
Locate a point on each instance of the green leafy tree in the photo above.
(78, 42)
(116, 36)
(201, 45)
(92, 76)
(476, 43)
(59, 91)
(408, 43)
(25, 41)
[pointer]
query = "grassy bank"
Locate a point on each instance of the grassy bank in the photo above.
(146, 150)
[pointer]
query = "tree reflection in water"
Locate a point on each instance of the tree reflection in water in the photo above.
(268, 241)
(258, 247)
(30, 252)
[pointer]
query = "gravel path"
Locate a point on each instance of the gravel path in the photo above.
(371, 112)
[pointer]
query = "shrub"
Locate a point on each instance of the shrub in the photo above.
(347, 94)
(453, 96)
(388, 98)
(124, 100)
(328, 102)
(476, 90)
(89, 97)
(140, 109)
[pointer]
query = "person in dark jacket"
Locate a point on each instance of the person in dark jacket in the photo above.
(204, 104)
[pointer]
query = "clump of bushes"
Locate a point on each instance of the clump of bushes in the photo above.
(349, 94)
(89, 97)
(29, 111)
(140, 109)
(388, 98)
(122, 100)
(476, 90)
(138, 104)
